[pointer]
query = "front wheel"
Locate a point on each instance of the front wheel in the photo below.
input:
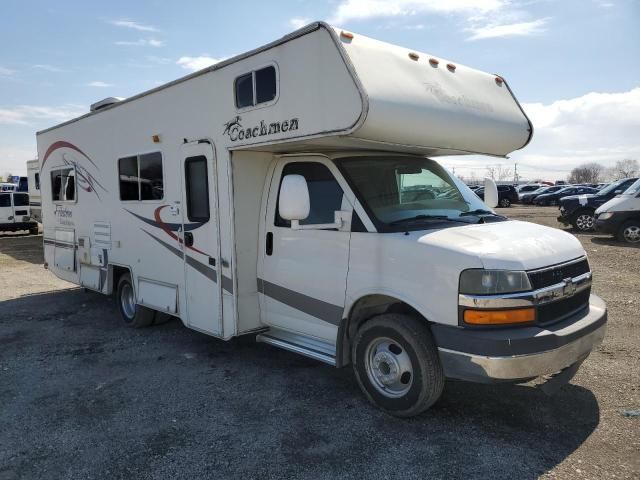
(630, 232)
(504, 202)
(584, 221)
(133, 315)
(396, 364)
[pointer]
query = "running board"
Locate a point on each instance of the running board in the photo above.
(302, 344)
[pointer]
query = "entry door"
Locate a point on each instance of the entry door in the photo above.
(303, 280)
(6, 209)
(200, 238)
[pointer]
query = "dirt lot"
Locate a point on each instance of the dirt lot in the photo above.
(82, 396)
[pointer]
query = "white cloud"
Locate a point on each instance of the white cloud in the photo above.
(31, 114)
(299, 22)
(197, 63)
(98, 83)
(142, 42)
(348, 10)
(6, 71)
(134, 25)
(534, 27)
(596, 127)
(13, 158)
(48, 68)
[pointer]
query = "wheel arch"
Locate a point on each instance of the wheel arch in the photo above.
(114, 272)
(363, 309)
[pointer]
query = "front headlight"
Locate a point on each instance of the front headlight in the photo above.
(489, 282)
(605, 216)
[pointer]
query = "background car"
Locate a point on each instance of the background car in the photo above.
(579, 210)
(528, 198)
(554, 198)
(621, 215)
(529, 187)
(506, 195)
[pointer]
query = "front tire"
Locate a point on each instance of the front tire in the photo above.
(584, 221)
(133, 315)
(630, 232)
(396, 364)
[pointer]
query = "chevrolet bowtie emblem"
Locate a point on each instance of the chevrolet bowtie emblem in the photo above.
(569, 287)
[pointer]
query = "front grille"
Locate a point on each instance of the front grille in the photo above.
(561, 309)
(551, 276)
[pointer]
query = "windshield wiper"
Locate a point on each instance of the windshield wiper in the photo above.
(478, 211)
(424, 217)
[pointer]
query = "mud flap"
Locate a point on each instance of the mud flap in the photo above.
(558, 380)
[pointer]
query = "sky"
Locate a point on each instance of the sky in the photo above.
(574, 65)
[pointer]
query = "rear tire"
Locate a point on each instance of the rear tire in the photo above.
(504, 203)
(396, 364)
(133, 315)
(630, 232)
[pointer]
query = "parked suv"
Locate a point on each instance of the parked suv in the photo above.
(15, 213)
(529, 197)
(579, 210)
(554, 198)
(621, 215)
(507, 195)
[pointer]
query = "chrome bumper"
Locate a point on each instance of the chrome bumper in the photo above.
(518, 354)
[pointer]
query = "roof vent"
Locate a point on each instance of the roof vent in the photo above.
(105, 102)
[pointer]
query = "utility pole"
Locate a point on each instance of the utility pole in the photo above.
(515, 172)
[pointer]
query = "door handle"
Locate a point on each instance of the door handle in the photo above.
(188, 239)
(269, 243)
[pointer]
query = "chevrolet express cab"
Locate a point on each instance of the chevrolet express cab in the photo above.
(293, 193)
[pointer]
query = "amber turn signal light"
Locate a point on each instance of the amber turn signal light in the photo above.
(499, 317)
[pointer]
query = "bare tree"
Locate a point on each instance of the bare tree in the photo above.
(628, 167)
(587, 173)
(498, 172)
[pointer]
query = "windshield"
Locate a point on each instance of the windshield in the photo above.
(611, 187)
(634, 189)
(395, 189)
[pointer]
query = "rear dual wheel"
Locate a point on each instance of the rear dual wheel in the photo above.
(396, 364)
(134, 315)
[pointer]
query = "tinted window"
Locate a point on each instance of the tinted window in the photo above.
(244, 90)
(141, 177)
(197, 182)
(5, 200)
(325, 194)
(265, 84)
(63, 185)
(151, 184)
(20, 200)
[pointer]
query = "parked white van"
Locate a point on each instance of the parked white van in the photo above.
(15, 214)
(292, 193)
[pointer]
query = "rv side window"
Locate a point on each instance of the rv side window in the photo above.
(325, 194)
(63, 185)
(256, 87)
(197, 182)
(5, 200)
(141, 177)
(20, 200)
(37, 181)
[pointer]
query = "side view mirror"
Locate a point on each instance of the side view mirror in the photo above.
(490, 193)
(294, 198)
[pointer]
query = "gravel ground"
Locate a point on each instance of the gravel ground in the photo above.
(85, 397)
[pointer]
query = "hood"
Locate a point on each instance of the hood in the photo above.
(622, 203)
(510, 245)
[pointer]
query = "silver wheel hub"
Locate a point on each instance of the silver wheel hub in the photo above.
(585, 222)
(632, 234)
(128, 301)
(388, 367)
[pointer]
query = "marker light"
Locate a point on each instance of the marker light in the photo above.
(414, 56)
(434, 62)
(499, 317)
(451, 67)
(347, 35)
(499, 80)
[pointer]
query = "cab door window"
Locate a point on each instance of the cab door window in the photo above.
(325, 194)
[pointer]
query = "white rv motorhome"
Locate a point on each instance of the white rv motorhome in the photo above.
(33, 182)
(291, 192)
